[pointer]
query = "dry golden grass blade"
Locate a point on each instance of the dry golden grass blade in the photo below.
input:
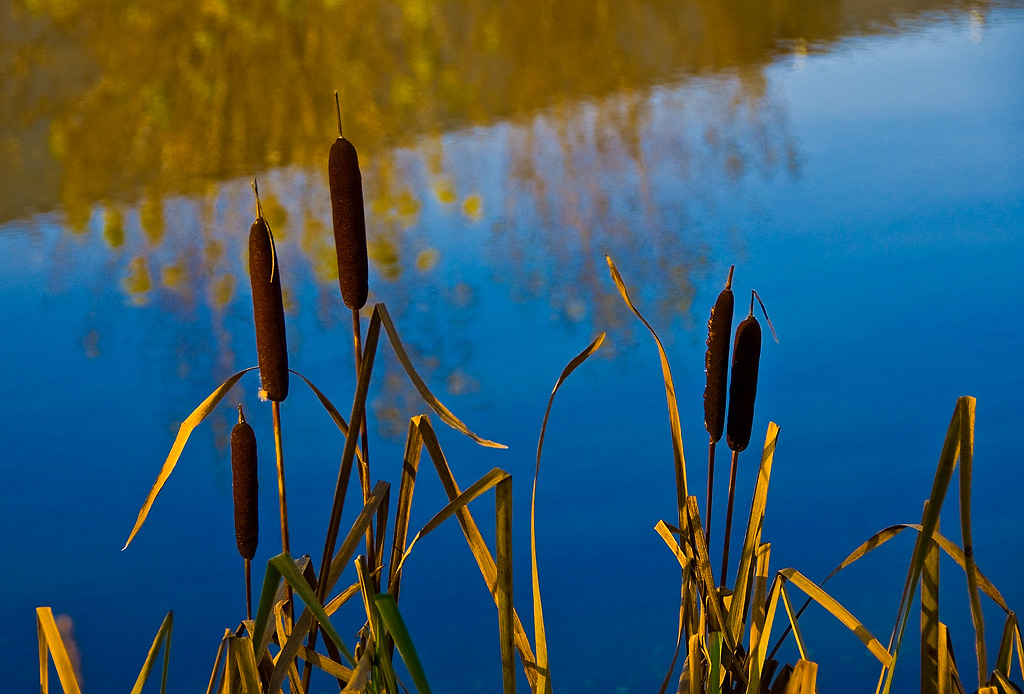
(363, 670)
(752, 538)
(476, 543)
(218, 661)
(1004, 658)
(758, 635)
(670, 395)
(693, 664)
(839, 612)
(410, 467)
(930, 619)
(703, 569)
(966, 473)
(331, 667)
(679, 641)
(663, 530)
(373, 620)
(342, 598)
(503, 542)
(793, 623)
(163, 638)
(943, 476)
(539, 636)
(329, 407)
(804, 678)
(443, 412)
(1002, 684)
(184, 431)
(943, 657)
(243, 661)
(482, 485)
(51, 644)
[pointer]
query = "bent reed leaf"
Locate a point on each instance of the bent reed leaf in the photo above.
(184, 431)
(162, 638)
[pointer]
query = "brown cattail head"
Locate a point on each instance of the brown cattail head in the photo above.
(268, 310)
(245, 486)
(746, 354)
(346, 186)
(716, 361)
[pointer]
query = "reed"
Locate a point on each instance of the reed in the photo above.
(746, 356)
(716, 366)
(245, 489)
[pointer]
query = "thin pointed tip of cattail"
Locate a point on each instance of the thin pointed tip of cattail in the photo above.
(241, 415)
(337, 106)
(752, 295)
(728, 281)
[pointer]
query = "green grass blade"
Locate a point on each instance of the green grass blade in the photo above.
(670, 396)
(752, 538)
(395, 625)
(943, 476)
(539, 636)
(50, 640)
(966, 473)
(184, 431)
(164, 632)
(436, 405)
(383, 665)
(714, 645)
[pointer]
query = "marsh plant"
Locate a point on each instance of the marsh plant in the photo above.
(725, 629)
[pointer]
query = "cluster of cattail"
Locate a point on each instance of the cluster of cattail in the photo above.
(742, 387)
(271, 341)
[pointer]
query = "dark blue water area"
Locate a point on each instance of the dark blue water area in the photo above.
(887, 256)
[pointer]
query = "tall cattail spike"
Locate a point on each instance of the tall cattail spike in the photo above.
(245, 488)
(268, 311)
(346, 187)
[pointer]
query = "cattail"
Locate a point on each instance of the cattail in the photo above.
(346, 186)
(716, 361)
(746, 353)
(245, 487)
(268, 309)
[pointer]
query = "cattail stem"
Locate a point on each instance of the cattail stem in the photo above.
(248, 588)
(364, 463)
(279, 450)
(711, 489)
(728, 517)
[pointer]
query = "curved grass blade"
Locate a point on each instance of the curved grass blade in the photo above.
(329, 407)
(285, 565)
(1004, 659)
(395, 626)
(966, 472)
(943, 476)
(50, 643)
(163, 638)
(184, 431)
(670, 395)
(752, 538)
(218, 660)
(839, 612)
(443, 412)
(539, 636)
(666, 534)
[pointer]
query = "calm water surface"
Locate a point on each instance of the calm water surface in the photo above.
(862, 165)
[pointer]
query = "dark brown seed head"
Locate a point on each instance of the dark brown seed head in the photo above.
(349, 223)
(245, 487)
(716, 361)
(268, 311)
(746, 354)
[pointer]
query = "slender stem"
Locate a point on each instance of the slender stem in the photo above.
(711, 488)
(364, 464)
(728, 516)
(279, 450)
(248, 589)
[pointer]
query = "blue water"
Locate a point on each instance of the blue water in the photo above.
(876, 203)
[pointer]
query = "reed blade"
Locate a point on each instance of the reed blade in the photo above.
(51, 644)
(387, 607)
(163, 638)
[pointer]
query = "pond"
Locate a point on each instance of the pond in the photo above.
(861, 165)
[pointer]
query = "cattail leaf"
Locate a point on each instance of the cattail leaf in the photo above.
(329, 407)
(663, 530)
(373, 619)
(163, 638)
(715, 674)
(794, 623)
(804, 678)
(930, 620)
(482, 555)
(268, 311)
(716, 361)
(839, 612)
(363, 670)
(443, 412)
(752, 538)
(184, 431)
(1004, 658)
(758, 635)
(218, 662)
(539, 637)
(51, 642)
(387, 607)
(966, 473)
(670, 396)
(410, 468)
(331, 667)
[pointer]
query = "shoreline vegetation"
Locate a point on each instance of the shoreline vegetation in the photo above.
(728, 634)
